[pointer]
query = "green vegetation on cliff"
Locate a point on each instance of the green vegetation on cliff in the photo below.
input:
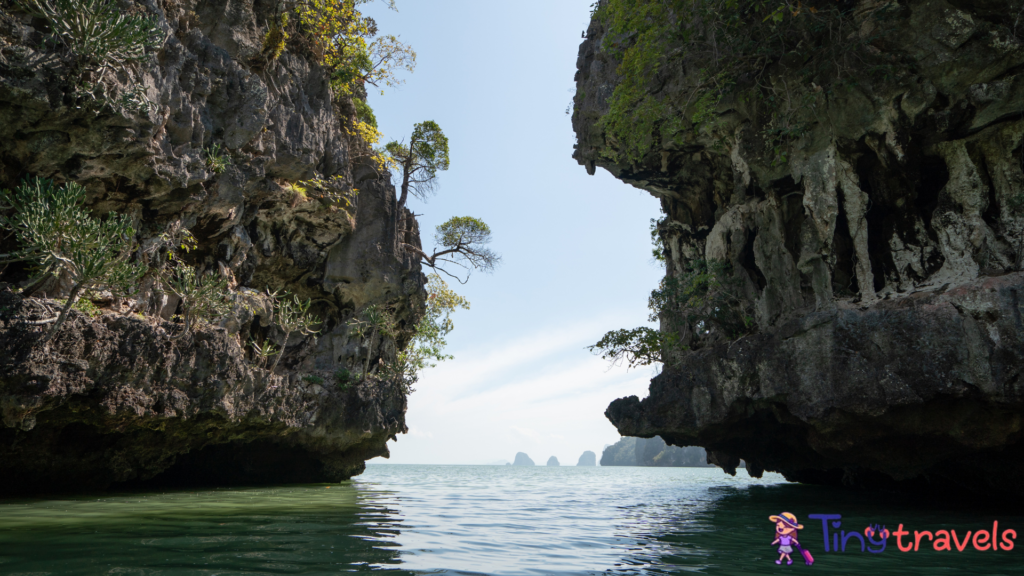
(724, 48)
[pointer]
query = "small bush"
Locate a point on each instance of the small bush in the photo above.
(343, 378)
(217, 159)
(60, 236)
(313, 379)
(275, 39)
(98, 31)
(262, 353)
(203, 296)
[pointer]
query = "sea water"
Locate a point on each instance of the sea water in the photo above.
(487, 520)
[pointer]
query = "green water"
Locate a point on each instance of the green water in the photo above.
(480, 520)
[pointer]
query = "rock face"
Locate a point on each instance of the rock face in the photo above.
(113, 401)
(553, 461)
(871, 235)
(630, 451)
(522, 460)
(588, 458)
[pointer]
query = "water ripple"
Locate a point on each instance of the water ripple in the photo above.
(469, 520)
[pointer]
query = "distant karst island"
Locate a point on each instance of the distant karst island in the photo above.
(588, 458)
(629, 451)
(522, 460)
(553, 461)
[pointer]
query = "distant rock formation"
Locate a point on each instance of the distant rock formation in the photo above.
(499, 463)
(553, 461)
(588, 458)
(630, 451)
(522, 460)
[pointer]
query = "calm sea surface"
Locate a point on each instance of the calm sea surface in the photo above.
(482, 520)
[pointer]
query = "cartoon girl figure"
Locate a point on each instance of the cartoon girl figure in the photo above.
(785, 535)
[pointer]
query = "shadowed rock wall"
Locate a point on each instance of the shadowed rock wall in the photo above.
(878, 254)
(113, 399)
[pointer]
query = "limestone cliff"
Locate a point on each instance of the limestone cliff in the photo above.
(522, 460)
(588, 458)
(861, 189)
(652, 452)
(113, 400)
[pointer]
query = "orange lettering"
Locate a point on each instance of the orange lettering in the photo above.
(995, 535)
(960, 547)
(1007, 545)
(941, 540)
(900, 533)
(917, 538)
(983, 537)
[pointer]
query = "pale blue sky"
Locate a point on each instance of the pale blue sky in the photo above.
(497, 76)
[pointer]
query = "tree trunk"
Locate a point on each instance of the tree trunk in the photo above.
(188, 326)
(284, 346)
(72, 298)
(369, 350)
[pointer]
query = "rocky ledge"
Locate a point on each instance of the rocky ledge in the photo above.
(862, 195)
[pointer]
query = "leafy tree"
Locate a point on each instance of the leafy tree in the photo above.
(292, 315)
(638, 347)
(428, 342)
(56, 232)
(703, 304)
(462, 241)
(419, 161)
(350, 46)
(706, 300)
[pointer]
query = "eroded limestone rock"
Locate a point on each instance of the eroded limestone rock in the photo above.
(113, 400)
(881, 255)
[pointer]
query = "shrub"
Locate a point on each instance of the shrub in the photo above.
(349, 44)
(203, 296)
(262, 352)
(217, 159)
(98, 31)
(703, 304)
(333, 191)
(292, 315)
(56, 232)
(343, 379)
(706, 299)
(276, 38)
(100, 37)
(313, 379)
(378, 320)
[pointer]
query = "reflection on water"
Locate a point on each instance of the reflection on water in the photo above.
(477, 520)
(293, 530)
